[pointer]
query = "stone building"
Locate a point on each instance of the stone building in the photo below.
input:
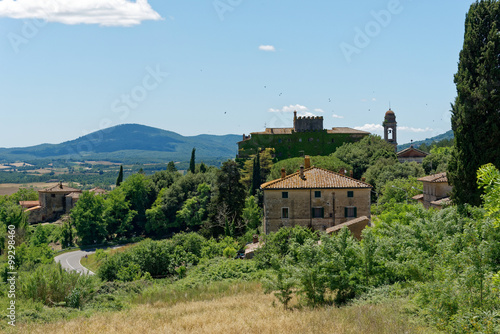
(315, 198)
(53, 202)
(436, 191)
(411, 154)
(307, 135)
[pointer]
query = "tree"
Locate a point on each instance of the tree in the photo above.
(139, 191)
(171, 167)
(192, 161)
(475, 115)
(256, 176)
(365, 153)
(119, 180)
(252, 214)
(488, 177)
(117, 214)
(229, 199)
(437, 161)
(87, 217)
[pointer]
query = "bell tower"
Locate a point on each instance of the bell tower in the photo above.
(390, 124)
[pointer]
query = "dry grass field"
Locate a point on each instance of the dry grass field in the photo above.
(248, 311)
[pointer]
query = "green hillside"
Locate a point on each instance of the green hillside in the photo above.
(128, 142)
(428, 141)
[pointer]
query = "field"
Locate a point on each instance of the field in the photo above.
(242, 309)
(10, 188)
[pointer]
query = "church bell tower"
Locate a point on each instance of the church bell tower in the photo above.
(390, 125)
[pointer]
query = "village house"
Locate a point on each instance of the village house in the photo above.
(436, 191)
(53, 202)
(314, 197)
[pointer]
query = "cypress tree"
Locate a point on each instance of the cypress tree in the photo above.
(119, 180)
(192, 161)
(171, 167)
(256, 178)
(476, 111)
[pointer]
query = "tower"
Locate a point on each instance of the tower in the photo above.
(390, 125)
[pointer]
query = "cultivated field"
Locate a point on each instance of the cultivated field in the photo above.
(10, 188)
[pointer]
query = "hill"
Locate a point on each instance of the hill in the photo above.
(128, 142)
(428, 141)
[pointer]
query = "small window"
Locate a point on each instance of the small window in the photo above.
(311, 139)
(318, 212)
(52, 195)
(284, 212)
(333, 140)
(279, 140)
(284, 194)
(350, 194)
(288, 140)
(300, 140)
(317, 194)
(351, 212)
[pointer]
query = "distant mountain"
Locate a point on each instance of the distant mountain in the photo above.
(130, 142)
(428, 141)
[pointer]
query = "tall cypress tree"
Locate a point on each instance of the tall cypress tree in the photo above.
(192, 161)
(476, 111)
(256, 177)
(119, 180)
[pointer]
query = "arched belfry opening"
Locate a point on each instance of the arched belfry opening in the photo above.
(390, 124)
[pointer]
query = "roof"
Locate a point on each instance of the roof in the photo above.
(411, 152)
(362, 219)
(35, 208)
(442, 201)
(274, 131)
(29, 204)
(435, 178)
(347, 131)
(59, 188)
(74, 195)
(418, 197)
(315, 178)
(98, 191)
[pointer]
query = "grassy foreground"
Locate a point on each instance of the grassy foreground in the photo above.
(239, 310)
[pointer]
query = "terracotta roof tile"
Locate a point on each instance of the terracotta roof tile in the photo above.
(59, 188)
(411, 152)
(29, 204)
(347, 131)
(315, 178)
(435, 178)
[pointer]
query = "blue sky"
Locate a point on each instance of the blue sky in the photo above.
(225, 66)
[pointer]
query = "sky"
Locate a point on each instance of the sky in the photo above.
(71, 67)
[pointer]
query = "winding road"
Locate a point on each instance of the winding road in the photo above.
(71, 261)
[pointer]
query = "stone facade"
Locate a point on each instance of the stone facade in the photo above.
(315, 198)
(436, 191)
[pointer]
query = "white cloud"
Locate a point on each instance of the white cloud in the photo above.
(101, 12)
(337, 116)
(299, 108)
(410, 129)
(267, 48)
(319, 110)
(370, 128)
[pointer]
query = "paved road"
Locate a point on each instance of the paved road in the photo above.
(71, 260)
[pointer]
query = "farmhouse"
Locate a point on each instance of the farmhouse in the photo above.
(53, 202)
(314, 197)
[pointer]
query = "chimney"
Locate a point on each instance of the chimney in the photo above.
(301, 172)
(60, 185)
(283, 172)
(342, 171)
(255, 238)
(307, 161)
(363, 179)
(351, 173)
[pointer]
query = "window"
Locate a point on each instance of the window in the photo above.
(350, 194)
(52, 195)
(284, 212)
(318, 212)
(351, 212)
(333, 140)
(300, 140)
(311, 139)
(284, 194)
(317, 194)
